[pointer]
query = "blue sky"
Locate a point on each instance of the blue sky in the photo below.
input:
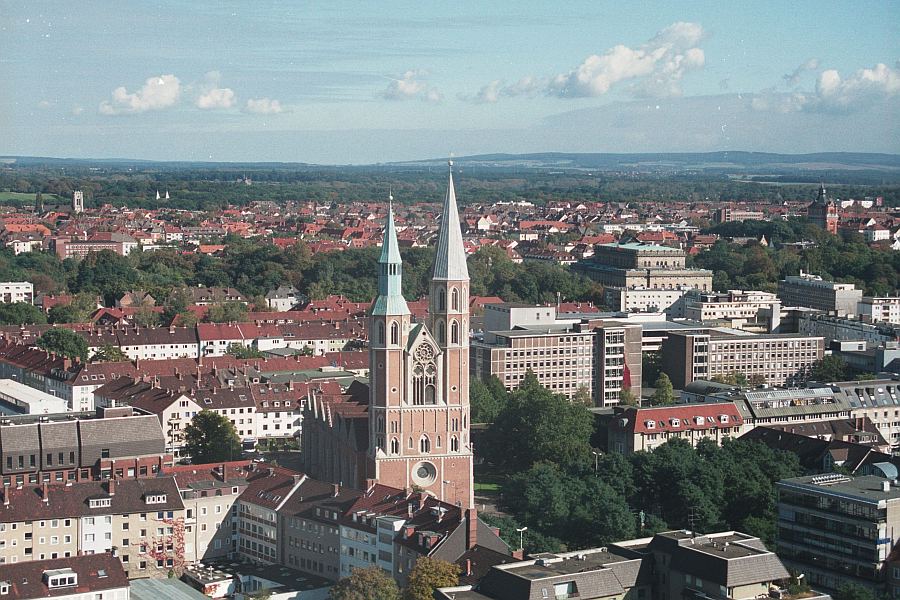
(380, 81)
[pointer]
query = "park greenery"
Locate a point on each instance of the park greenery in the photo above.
(570, 496)
(64, 342)
(211, 437)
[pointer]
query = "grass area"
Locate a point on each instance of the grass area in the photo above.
(489, 487)
(488, 479)
(26, 197)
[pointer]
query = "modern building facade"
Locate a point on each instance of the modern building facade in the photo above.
(17, 291)
(749, 310)
(838, 529)
(883, 309)
(814, 292)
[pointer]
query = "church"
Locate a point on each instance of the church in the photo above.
(409, 428)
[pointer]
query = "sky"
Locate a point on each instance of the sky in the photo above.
(368, 82)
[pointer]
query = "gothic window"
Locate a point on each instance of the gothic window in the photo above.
(454, 332)
(393, 426)
(424, 375)
(424, 445)
(395, 446)
(395, 333)
(380, 333)
(442, 333)
(454, 299)
(454, 424)
(409, 444)
(454, 444)
(379, 423)
(442, 300)
(438, 442)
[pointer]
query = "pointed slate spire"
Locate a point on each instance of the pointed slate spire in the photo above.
(450, 261)
(821, 198)
(390, 299)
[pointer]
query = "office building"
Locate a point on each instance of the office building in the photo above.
(749, 310)
(838, 529)
(773, 359)
(812, 291)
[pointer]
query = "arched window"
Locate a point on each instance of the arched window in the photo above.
(424, 375)
(424, 445)
(442, 333)
(395, 333)
(454, 299)
(454, 444)
(429, 394)
(438, 442)
(454, 332)
(442, 299)
(409, 444)
(380, 333)
(395, 446)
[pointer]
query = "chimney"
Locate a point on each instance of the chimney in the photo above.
(112, 487)
(860, 423)
(468, 572)
(45, 492)
(6, 494)
(336, 489)
(224, 473)
(471, 528)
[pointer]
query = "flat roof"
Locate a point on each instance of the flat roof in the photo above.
(26, 394)
(290, 579)
(568, 563)
(640, 246)
(726, 545)
(866, 488)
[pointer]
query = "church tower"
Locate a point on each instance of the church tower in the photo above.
(823, 212)
(419, 385)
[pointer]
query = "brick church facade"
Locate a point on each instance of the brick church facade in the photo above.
(410, 429)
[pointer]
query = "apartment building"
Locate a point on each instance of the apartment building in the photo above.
(775, 359)
(87, 577)
(120, 243)
(632, 429)
(838, 529)
(668, 566)
(635, 265)
(73, 447)
(814, 292)
(142, 519)
(17, 291)
(146, 343)
(834, 328)
(884, 309)
(268, 489)
(878, 400)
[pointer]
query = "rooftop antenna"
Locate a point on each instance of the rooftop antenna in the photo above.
(692, 519)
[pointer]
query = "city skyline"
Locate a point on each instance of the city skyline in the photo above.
(344, 84)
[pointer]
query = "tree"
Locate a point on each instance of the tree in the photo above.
(486, 399)
(20, 313)
(211, 437)
(428, 574)
(853, 591)
(65, 343)
(831, 368)
(583, 397)
(105, 273)
(146, 317)
(241, 351)
(538, 425)
(627, 398)
(365, 584)
(664, 394)
(109, 353)
(227, 312)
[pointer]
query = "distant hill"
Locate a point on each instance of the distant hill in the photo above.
(749, 162)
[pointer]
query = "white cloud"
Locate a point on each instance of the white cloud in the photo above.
(793, 78)
(212, 96)
(157, 93)
(263, 106)
(833, 93)
(411, 85)
(527, 86)
(489, 93)
(657, 66)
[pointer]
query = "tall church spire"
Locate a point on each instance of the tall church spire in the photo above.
(450, 262)
(390, 299)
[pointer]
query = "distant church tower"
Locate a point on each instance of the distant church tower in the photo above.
(78, 201)
(824, 212)
(419, 375)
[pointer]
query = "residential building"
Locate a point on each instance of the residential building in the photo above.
(814, 292)
(17, 291)
(284, 298)
(632, 429)
(86, 577)
(883, 309)
(268, 489)
(120, 243)
(142, 519)
(69, 447)
(749, 310)
(728, 214)
(635, 265)
(775, 359)
(641, 299)
(877, 400)
(673, 564)
(835, 328)
(838, 529)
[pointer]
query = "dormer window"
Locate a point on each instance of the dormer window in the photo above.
(650, 425)
(60, 578)
(698, 420)
(155, 499)
(100, 502)
(675, 422)
(723, 418)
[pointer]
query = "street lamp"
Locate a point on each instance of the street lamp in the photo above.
(596, 454)
(522, 531)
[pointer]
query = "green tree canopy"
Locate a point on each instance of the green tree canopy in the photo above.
(241, 351)
(227, 312)
(105, 273)
(365, 584)
(65, 343)
(109, 353)
(21, 313)
(486, 399)
(664, 394)
(538, 425)
(428, 574)
(210, 438)
(830, 368)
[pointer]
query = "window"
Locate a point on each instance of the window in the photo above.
(454, 299)
(454, 332)
(381, 333)
(424, 445)
(395, 446)
(395, 333)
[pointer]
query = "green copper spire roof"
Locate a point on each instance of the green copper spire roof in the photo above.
(390, 299)
(450, 261)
